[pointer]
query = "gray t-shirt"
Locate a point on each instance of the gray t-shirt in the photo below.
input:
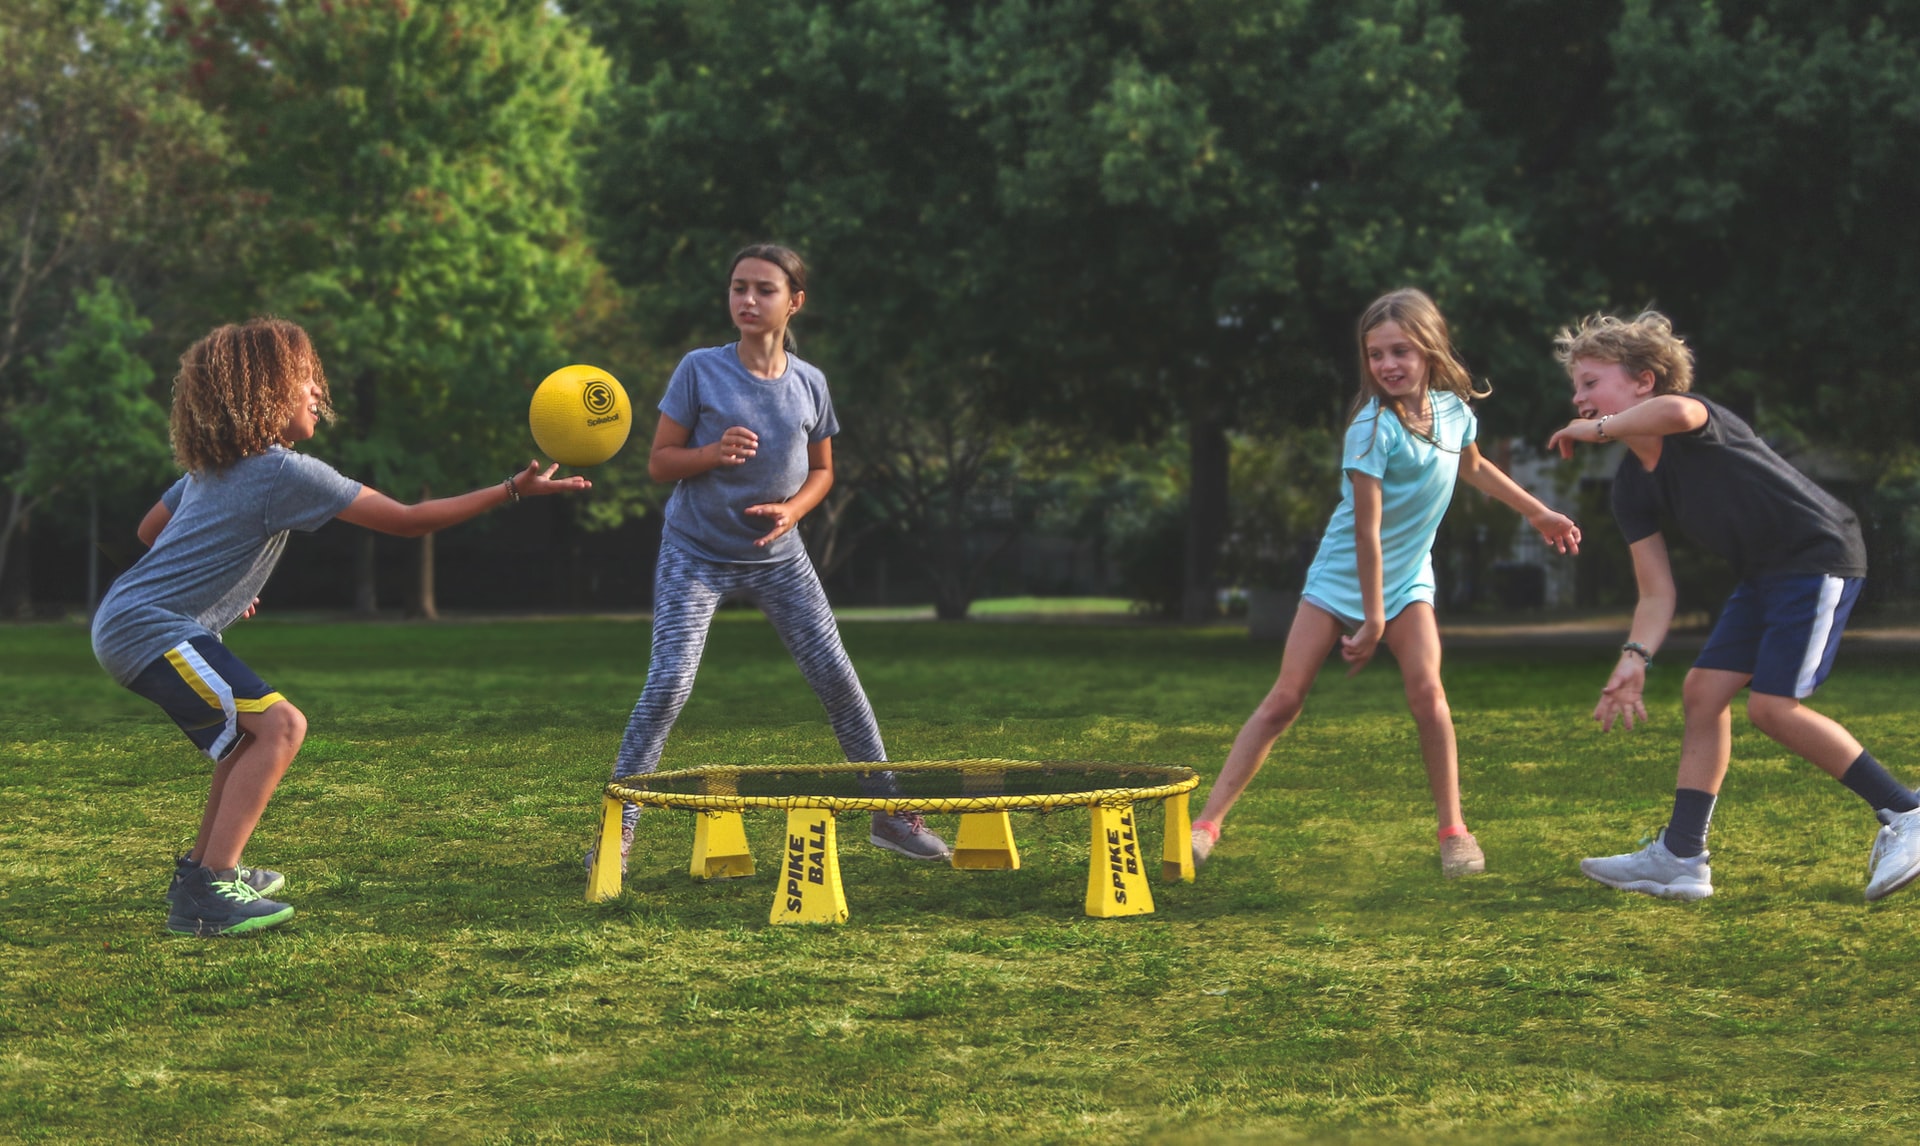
(710, 392)
(226, 534)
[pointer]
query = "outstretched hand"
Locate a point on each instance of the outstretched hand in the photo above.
(1621, 697)
(535, 482)
(1578, 430)
(1557, 530)
(1359, 648)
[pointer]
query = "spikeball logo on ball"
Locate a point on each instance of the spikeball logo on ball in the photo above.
(580, 416)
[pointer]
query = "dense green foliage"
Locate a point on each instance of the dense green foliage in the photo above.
(1035, 224)
(445, 981)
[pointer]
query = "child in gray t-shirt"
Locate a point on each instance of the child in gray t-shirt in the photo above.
(243, 396)
(746, 433)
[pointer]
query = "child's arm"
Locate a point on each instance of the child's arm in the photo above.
(148, 531)
(1359, 648)
(671, 459)
(1656, 417)
(1557, 529)
(787, 514)
(1621, 698)
(378, 512)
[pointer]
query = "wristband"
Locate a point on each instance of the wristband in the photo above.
(513, 495)
(1639, 650)
(1600, 428)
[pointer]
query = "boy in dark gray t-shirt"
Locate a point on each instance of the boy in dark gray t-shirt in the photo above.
(244, 394)
(1799, 554)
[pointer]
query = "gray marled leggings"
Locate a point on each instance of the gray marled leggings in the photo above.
(686, 591)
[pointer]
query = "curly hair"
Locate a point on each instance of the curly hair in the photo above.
(1644, 343)
(1423, 324)
(237, 390)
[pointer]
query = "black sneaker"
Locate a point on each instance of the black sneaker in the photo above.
(207, 902)
(262, 880)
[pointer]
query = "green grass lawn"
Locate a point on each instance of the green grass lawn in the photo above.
(445, 981)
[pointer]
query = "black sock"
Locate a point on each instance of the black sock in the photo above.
(1877, 786)
(1686, 835)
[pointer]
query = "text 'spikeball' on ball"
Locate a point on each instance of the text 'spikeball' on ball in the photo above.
(580, 416)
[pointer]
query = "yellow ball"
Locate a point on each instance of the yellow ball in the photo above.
(580, 416)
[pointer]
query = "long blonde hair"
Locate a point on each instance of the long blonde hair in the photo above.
(238, 388)
(1423, 324)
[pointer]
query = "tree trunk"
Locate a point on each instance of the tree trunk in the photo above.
(93, 548)
(1206, 515)
(366, 580)
(16, 560)
(423, 605)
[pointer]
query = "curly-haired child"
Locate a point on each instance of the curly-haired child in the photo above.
(244, 395)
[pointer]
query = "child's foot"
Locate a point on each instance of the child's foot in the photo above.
(263, 880)
(208, 902)
(1653, 870)
(1460, 855)
(908, 834)
(626, 849)
(1205, 834)
(1896, 854)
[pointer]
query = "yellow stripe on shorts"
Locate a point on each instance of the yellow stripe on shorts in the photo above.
(241, 704)
(193, 680)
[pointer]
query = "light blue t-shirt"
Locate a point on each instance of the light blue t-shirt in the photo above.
(1416, 485)
(711, 392)
(226, 534)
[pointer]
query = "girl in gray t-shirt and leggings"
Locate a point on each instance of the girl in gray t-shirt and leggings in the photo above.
(746, 431)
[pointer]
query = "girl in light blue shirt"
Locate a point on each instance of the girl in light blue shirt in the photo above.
(1409, 435)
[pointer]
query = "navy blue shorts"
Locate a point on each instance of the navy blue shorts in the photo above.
(1784, 631)
(205, 688)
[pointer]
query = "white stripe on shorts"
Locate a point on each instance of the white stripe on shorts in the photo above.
(1830, 588)
(221, 689)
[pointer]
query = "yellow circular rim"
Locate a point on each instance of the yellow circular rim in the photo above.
(632, 789)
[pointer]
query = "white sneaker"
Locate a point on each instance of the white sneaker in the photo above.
(1896, 854)
(1653, 870)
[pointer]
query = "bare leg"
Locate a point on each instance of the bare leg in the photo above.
(1311, 639)
(1706, 698)
(1804, 732)
(245, 780)
(1414, 637)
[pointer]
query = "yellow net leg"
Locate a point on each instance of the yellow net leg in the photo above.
(809, 889)
(985, 843)
(1176, 854)
(1116, 883)
(719, 847)
(603, 882)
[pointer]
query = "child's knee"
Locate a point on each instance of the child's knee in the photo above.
(1427, 700)
(281, 725)
(1277, 712)
(1769, 714)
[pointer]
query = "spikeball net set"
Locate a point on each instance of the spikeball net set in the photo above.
(981, 791)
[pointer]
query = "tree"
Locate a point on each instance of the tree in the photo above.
(105, 168)
(95, 423)
(418, 169)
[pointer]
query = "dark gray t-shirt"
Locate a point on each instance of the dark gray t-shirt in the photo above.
(710, 392)
(1733, 495)
(226, 534)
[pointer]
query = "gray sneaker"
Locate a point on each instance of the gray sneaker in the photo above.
(626, 849)
(1896, 854)
(1461, 855)
(1653, 870)
(266, 881)
(908, 834)
(209, 902)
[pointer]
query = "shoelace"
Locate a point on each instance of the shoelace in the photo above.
(235, 888)
(916, 822)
